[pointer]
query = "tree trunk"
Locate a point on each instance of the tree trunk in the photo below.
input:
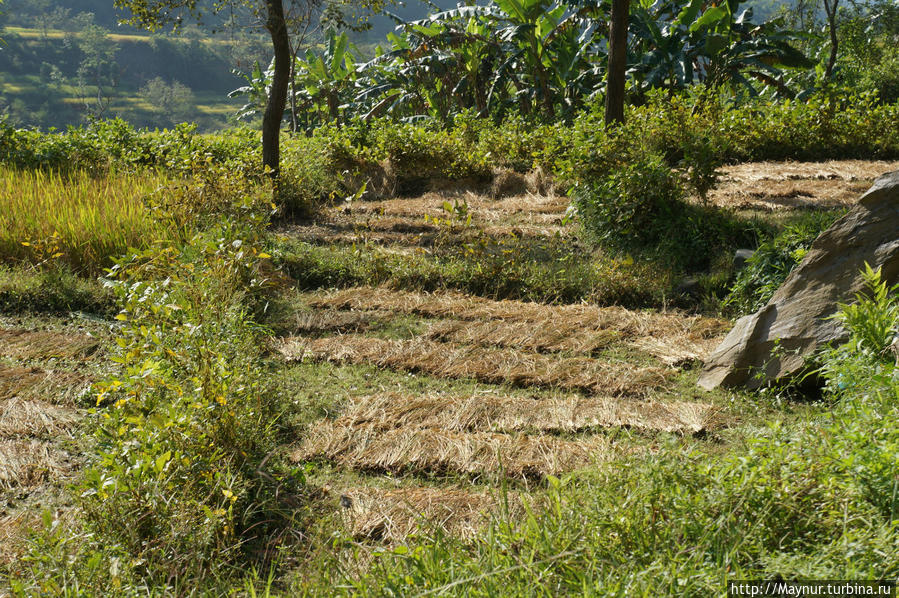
(277, 99)
(617, 62)
(294, 123)
(830, 8)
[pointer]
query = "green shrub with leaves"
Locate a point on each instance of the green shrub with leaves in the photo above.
(182, 485)
(634, 204)
(773, 261)
(187, 421)
(640, 208)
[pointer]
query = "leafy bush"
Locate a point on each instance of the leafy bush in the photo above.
(188, 420)
(773, 261)
(181, 486)
(640, 208)
(633, 205)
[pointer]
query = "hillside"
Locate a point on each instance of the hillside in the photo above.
(469, 323)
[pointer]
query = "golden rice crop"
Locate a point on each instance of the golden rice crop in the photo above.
(76, 218)
(59, 387)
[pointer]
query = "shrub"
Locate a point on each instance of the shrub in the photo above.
(773, 261)
(640, 208)
(182, 485)
(633, 205)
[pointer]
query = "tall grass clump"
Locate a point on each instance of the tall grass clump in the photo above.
(75, 218)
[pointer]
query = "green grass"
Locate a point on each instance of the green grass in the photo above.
(52, 290)
(551, 274)
(76, 218)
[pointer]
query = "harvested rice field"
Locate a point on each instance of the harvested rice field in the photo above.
(428, 413)
(535, 212)
(46, 370)
(425, 403)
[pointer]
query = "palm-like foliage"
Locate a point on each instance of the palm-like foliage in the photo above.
(677, 44)
(540, 57)
(534, 55)
(324, 79)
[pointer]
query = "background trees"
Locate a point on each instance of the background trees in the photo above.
(544, 59)
(274, 16)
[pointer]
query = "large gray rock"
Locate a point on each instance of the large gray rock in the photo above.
(796, 319)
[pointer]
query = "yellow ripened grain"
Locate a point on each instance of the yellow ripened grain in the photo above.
(75, 217)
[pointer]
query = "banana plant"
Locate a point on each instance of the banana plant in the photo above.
(255, 91)
(531, 54)
(676, 44)
(325, 79)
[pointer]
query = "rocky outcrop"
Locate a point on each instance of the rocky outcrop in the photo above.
(775, 342)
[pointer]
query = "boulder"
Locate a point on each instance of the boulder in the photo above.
(797, 320)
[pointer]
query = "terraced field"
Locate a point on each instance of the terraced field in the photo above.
(46, 370)
(438, 400)
(426, 412)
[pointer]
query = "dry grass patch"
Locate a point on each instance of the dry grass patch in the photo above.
(506, 414)
(577, 316)
(390, 516)
(14, 530)
(551, 336)
(847, 170)
(677, 351)
(31, 463)
(672, 337)
(23, 417)
(319, 321)
(371, 448)
(791, 185)
(60, 387)
(448, 360)
(28, 344)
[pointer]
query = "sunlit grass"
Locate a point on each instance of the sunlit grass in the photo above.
(75, 218)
